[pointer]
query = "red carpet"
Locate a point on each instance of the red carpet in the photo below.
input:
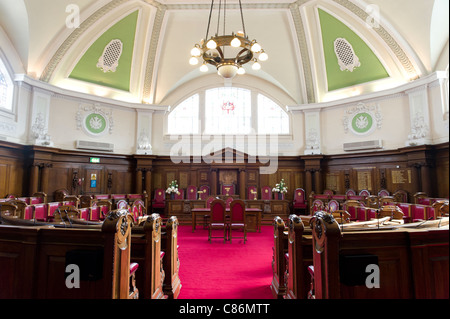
(221, 270)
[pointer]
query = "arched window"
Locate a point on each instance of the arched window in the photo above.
(184, 118)
(6, 88)
(272, 119)
(228, 110)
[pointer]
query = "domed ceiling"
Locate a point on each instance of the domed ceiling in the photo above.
(138, 51)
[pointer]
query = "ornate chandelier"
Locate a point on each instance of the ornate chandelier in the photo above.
(228, 53)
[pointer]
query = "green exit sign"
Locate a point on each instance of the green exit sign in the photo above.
(94, 160)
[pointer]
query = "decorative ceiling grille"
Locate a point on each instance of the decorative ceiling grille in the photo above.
(109, 60)
(345, 54)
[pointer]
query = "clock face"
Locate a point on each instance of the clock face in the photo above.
(362, 123)
(95, 123)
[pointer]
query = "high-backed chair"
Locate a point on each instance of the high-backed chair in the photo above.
(333, 205)
(71, 200)
(383, 193)
(364, 193)
(217, 219)
(356, 210)
(299, 200)
(100, 209)
(228, 189)
(317, 205)
(204, 192)
(122, 204)
(350, 192)
(400, 196)
(237, 219)
(252, 193)
(266, 193)
(180, 194)
(208, 202)
(138, 210)
(159, 200)
(191, 192)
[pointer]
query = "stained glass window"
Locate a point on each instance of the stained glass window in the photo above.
(228, 110)
(6, 88)
(272, 119)
(184, 118)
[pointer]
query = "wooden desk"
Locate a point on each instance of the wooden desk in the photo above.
(249, 212)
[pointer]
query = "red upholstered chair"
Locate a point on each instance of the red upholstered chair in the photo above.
(40, 212)
(122, 204)
(159, 199)
(84, 213)
(406, 209)
(266, 193)
(252, 193)
(328, 192)
(350, 192)
(100, 209)
(364, 193)
(217, 220)
(228, 202)
(180, 194)
(356, 210)
(317, 205)
(333, 205)
(138, 210)
(299, 199)
(52, 207)
(71, 200)
(418, 212)
(94, 213)
(237, 219)
(191, 192)
(383, 193)
(400, 196)
(208, 202)
(227, 189)
(204, 192)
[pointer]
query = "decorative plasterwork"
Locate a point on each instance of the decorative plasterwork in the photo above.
(301, 35)
(109, 60)
(347, 59)
(94, 120)
(362, 119)
(385, 35)
(419, 130)
(75, 35)
(159, 17)
(143, 144)
(39, 131)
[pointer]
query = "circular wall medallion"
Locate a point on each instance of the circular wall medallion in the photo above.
(362, 123)
(95, 123)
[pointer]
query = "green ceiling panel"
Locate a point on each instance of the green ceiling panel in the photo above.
(369, 68)
(87, 69)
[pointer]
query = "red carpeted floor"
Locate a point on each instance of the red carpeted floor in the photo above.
(221, 270)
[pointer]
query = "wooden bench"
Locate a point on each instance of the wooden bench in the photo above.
(299, 259)
(280, 250)
(35, 259)
(171, 262)
(146, 251)
(413, 262)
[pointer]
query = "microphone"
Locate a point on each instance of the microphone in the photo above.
(429, 218)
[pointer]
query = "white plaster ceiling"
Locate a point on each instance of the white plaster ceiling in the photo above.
(37, 29)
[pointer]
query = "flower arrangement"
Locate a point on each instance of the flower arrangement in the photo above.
(280, 187)
(173, 187)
